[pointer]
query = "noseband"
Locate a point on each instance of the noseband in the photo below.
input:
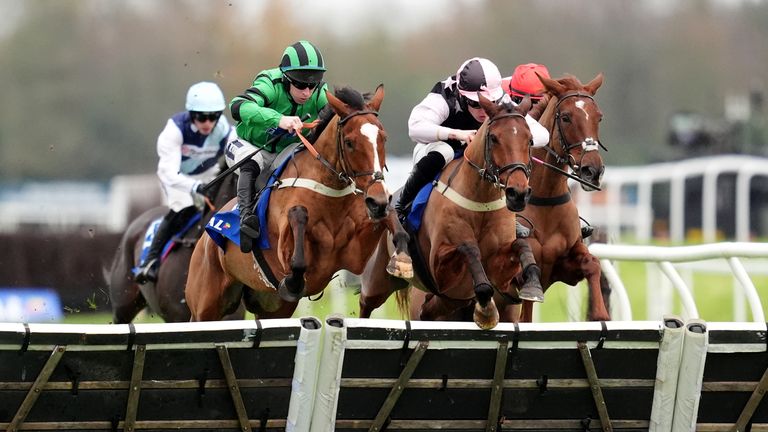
(490, 171)
(588, 144)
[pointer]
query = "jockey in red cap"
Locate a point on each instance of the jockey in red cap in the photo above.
(524, 82)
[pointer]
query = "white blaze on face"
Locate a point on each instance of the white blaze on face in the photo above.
(580, 105)
(371, 132)
(589, 144)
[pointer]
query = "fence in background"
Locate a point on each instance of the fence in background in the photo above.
(71, 206)
(627, 201)
(661, 259)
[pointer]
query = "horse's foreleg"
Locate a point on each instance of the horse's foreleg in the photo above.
(207, 283)
(590, 266)
(128, 303)
(531, 289)
(436, 308)
(292, 287)
(526, 314)
(486, 315)
(125, 296)
(400, 264)
(377, 285)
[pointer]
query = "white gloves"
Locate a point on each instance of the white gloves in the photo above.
(197, 196)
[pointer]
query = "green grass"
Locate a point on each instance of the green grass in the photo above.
(713, 294)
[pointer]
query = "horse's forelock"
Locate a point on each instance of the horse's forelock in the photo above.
(508, 107)
(351, 97)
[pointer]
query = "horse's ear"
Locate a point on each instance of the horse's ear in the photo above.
(595, 84)
(488, 106)
(339, 107)
(525, 105)
(378, 97)
(551, 85)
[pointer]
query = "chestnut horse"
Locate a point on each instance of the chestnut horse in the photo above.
(468, 225)
(166, 296)
(326, 213)
(572, 117)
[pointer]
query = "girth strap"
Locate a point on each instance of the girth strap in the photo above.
(264, 267)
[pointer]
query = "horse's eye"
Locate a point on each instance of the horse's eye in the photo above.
(566, 118)
(494, 139)
(348, 143)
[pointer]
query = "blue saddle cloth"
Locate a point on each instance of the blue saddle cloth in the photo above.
(415, 217)
(149, 235)
(225, 225)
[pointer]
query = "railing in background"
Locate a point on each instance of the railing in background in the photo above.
(663, 257)
(626, 202)
(620, 205)
(68, 206)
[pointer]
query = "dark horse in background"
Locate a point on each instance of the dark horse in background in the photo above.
(166, 296)
(572, 117)
(326, 213)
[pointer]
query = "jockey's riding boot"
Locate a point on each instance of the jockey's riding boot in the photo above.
(423, 172)
(249, 222)
(521, 230)
(148, 271)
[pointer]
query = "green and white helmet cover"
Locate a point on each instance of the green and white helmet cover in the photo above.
(303, 62)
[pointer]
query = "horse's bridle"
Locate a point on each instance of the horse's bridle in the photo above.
(490, 171)
(588, 144)
(345, 175)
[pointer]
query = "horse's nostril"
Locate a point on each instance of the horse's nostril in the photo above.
(588, 172)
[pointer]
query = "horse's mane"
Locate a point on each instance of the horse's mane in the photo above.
(508, 106)
(349, 96)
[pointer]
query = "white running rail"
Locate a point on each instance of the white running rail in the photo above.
(614, 210)
(731, 252)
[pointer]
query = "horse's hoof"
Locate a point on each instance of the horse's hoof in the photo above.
(486, 317)
(286, 294)
(532, 291)
(400, 266)
(534, 294)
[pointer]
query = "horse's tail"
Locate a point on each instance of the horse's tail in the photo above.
(403, 298)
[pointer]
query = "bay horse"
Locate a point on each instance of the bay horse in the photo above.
(166, 296)
(468, 226)
(327, 212)
(572, 117)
